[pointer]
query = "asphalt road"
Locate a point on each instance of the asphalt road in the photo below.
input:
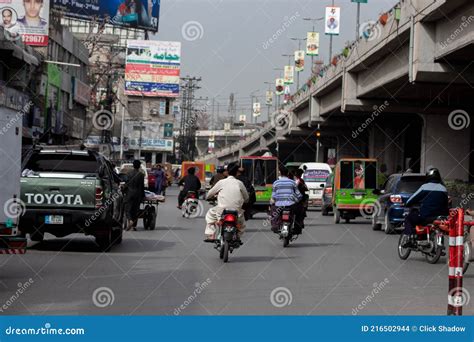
(331, 269)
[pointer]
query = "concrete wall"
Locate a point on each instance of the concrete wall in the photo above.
(445, 148)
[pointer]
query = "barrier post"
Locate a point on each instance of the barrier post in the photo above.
(456, 259)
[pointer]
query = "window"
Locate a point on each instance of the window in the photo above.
(346, 175)
(271, 168)
(247, 164)
(371, 175)
(410, 184)
(42, 162)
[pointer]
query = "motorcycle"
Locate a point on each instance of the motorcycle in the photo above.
(227, 238)
(190, 204)
(430, 241)
(287, 224)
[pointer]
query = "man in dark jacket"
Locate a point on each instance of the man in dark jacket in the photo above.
(134, 194)
(217, 177)
(189, 183)
(433, 198)
(247, 207)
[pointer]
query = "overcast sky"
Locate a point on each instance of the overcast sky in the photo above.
(226, 42)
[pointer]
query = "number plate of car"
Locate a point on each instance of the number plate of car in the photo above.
(54, 219)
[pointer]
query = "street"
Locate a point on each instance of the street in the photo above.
(343, 269)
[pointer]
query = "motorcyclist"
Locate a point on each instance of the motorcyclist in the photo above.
(433, 200)
(286, 194)
(303, 188)
(231, 194)
(190, 182)
(217, 177)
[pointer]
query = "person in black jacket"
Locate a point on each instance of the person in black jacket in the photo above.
(134, 194)
(247, 207)
(189, 183)
(433, 200)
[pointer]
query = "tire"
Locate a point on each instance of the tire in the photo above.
(375, 226)
(105, 241)
(37, 236)
(434, 258)
(403, 253)
(388, 227)
(347, 219)
(226, 251)
(221, 252)
(117, 236)
(286, 241)
(337, 216)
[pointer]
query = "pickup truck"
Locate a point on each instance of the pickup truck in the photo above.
(71, 191)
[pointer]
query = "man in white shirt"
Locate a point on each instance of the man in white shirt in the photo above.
(231, 194)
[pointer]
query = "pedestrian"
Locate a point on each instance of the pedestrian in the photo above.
(247, 207)
(159, 176)
(303, 188)
(134, 194)
(189, 183)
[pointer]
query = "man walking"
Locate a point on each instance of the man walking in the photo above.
(134, 194)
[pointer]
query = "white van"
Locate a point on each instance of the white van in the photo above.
(315, 175)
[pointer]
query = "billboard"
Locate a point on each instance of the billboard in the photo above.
(312, 44)
(142, 14)
(333, 20)
(26, 19)
(289, 74)
(152, 68)
(299, 60)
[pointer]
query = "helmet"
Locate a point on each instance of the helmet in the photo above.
(433, 175)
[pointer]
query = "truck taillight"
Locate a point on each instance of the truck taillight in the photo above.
(396, 199)
(99, 195)
(6, 231)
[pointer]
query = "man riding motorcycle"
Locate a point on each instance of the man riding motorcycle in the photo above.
(433, 200)
(189, 183)
(286, 194)
(231, 194)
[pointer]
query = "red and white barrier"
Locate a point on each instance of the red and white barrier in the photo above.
(457, 295)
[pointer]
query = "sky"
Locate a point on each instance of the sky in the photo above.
(227, 42)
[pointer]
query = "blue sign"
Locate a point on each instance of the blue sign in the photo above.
(142, 14)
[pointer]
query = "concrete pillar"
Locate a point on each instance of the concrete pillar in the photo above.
(445, 148)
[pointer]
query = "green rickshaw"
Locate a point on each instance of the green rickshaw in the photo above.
(354, 183)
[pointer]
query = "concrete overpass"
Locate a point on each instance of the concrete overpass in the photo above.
(402, 95)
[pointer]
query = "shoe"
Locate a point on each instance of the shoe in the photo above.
(210, 238)
(179, 207)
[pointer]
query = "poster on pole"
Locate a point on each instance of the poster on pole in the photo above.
(256, 109)
(333, 20)
(269, 98)
(26, 20)
(312, 44)
(279, 86)
(243, 118)
(299, 60)
(152, 68)
(289, 76)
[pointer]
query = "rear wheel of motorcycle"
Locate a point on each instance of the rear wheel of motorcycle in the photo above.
(226, 251)
(286, 241)
(403, 253)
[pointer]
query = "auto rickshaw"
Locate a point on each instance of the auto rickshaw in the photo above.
(354, 183)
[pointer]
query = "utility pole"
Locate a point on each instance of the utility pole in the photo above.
(358, 21)
(330, 42)
(188, 119)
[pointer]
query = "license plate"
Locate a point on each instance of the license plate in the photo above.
(54, 219)
(358, 196)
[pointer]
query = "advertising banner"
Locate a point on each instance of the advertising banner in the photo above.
(26, 19)
(312, 44)
(269, 98)
(142, 14)
(279, 86)
(256, 109)
(289, 77)
(299, 60)
(333, 20)
(152, 68)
